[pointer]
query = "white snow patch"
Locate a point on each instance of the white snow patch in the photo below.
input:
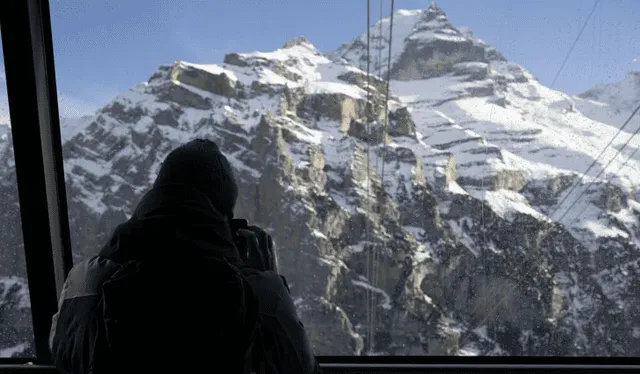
(334, 88)
(386, 304)
(505, 202)
(15, 350)
(319, 234)
(97, 168)
(422, 253)
(8, 283)
(211, 69)
(455, 188)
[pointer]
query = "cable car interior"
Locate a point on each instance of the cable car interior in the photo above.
(436, 207)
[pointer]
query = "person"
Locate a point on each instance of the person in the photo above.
(181, 286)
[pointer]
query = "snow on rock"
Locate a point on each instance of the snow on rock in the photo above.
(425, 44)
(15, 351)
(15, 314)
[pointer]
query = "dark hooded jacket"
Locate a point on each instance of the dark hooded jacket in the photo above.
(175, 223)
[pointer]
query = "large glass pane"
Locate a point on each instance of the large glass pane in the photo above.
(16, 331)
(484, 209)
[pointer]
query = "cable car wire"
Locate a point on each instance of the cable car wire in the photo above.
(575, 42)
(376, 246)
(368, 197)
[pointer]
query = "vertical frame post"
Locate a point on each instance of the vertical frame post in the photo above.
(28, 57)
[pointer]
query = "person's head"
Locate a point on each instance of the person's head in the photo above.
(200, 165)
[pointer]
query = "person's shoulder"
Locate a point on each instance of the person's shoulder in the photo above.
(86, 277)
(95, 265)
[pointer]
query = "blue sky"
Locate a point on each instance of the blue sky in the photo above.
(104, 47)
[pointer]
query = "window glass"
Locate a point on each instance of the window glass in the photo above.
(488, 203)
(16, 332)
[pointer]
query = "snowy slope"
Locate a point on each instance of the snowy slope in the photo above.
(537, 134)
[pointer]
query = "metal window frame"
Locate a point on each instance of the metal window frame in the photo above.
(25, 27)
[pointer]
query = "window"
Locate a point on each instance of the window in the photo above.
(483, 201)
(16, 335)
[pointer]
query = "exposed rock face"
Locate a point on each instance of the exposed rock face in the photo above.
(298, 41)
(433, 236)
(219, 84)
(401, 123)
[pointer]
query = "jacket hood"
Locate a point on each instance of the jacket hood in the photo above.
(173, 220)
(201, 165)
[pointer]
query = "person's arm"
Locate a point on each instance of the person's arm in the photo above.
(291, 350)
(74, 327)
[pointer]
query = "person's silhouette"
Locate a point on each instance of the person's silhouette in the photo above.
(176, 288)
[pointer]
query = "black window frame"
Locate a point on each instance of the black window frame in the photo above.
(25, 27)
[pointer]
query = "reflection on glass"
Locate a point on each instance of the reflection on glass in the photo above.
(440, 223)
(16, 332)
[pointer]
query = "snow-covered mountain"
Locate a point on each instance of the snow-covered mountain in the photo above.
(613, 102)
(623, 95)
(446, 234)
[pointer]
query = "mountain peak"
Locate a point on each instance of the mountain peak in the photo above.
(301, 40)
(435, 19)
(425, 44)
(434, 12)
